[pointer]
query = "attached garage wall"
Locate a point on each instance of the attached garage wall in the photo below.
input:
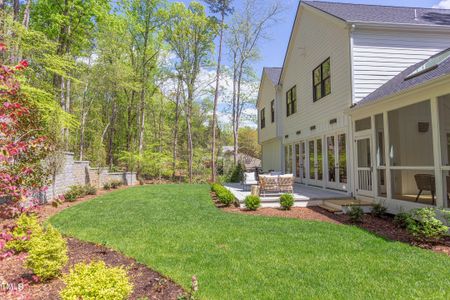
(271, 155)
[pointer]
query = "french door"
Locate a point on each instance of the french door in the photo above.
(300, 162)
(336, 166)
(315, 162)
(364, 166)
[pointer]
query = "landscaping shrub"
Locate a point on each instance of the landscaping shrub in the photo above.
(403, 219)
(236, 173)
(223, 194)
(116, 184)
(286, 201)
(425, 224)
(378, 210)
(47, 253)
(107, 186)
(90, 190)
(356, 214)
(96, 281)
(252, 202)
(75, 192)
(25, 227)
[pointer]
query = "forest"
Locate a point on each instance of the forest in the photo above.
(152, 86)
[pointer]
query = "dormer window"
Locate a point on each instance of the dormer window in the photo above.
(263, 118)
(291, 101)
(322, 80)
(272, 111)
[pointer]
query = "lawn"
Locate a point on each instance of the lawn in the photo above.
(176, 230)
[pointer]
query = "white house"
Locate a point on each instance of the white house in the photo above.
(340, 115)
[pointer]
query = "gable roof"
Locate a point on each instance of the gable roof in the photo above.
(363, 13)
(405, 81)
(273, 74)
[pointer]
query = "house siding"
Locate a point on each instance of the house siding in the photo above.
(267, 94)
(316, 38)
(271, 155)
(379, 55)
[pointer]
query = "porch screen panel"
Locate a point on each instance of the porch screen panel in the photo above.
(444, 126)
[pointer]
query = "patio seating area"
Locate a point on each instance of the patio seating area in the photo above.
(303, 195)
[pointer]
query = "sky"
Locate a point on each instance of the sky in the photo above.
(273, 50)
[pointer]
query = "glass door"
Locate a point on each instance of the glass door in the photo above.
(336, 166)
(315, 164)
(300, 162)
(364, 167)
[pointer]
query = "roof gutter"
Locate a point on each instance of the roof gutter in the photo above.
(424, 27)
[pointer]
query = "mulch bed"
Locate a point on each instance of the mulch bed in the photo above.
(383, 227)
(147, 284)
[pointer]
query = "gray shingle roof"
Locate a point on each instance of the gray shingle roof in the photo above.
(402, 82)
(364, 13)
(273, 74)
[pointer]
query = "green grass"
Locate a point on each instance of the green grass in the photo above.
(176, 230)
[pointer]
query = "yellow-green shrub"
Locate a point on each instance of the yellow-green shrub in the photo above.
(95, 281)
(47, 253)
(25, 227)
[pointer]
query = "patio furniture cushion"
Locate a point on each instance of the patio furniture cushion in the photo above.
(249, 179)
(286, 183)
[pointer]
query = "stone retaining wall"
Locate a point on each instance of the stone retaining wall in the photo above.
(74, 172)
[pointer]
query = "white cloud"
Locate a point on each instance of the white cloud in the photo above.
(443, 4)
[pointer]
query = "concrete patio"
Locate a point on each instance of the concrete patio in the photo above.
(303, 195)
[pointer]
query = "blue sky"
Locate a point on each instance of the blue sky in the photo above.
(273, 50)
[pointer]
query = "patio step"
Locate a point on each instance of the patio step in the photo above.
(333, 209)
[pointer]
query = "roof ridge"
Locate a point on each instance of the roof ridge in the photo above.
(375, 5)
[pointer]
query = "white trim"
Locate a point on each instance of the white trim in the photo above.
(437, 152)
(412, 168)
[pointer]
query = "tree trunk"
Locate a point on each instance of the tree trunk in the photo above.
(234, 109)
(26, 15)
(112, 132)
(175, 130)
(190, 145)
(237, 114)
(16, 10)
(84, 113)
(216, 99)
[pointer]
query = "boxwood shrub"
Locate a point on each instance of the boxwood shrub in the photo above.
(252, 202)
(25, 227)
(286, 201)
(96, 281)
(223, 194)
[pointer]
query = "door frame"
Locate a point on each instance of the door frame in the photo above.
(364, 135)
(315, 181)
(337, 184)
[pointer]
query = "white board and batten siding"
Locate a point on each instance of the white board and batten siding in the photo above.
(379, 55)
(316, 37)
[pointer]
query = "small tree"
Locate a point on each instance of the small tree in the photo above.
(22, 144)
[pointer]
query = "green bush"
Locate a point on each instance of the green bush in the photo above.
(425, 224)
(116, 184)
(236, 173)
(95, 281)
(25, 227)
(356, 214)
(403, 219)
(90, 190)
(223, 194)
(47, 253)
(252, 202)
(378, 210)
(286, 201)
(75, 192)
(107, 186)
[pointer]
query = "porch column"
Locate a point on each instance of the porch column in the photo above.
(374, 161)
(437, 152)
(387, 155)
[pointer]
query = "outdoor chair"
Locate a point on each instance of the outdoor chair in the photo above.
(268, 184)
(248, 180)
(426, 182)
(286, 183)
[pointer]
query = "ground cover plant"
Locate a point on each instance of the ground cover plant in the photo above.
(177, 230)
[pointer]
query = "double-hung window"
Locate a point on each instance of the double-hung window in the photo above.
(291, 101)
(322, 80)
(263, 118)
